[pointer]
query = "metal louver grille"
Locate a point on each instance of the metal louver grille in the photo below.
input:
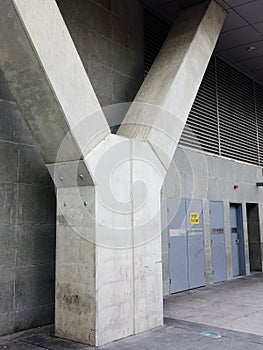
(155, 32)
(201, 130)
(259, 109)
(227, 115)
(238, 130)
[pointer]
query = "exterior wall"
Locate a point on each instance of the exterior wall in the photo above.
(27, 226)
(109, 38)
(108, 35)
(198, 175)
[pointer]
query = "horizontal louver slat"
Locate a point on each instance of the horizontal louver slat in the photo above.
(227, 115)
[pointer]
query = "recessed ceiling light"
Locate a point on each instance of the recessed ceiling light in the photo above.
(251, 48)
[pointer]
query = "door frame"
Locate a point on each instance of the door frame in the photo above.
(240, 230)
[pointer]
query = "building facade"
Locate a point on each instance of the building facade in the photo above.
(211, 206)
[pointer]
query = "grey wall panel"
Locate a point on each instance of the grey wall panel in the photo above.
(218, 241)
(109, 37)
(26, 196)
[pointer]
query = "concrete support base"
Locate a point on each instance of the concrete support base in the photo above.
(109, 268)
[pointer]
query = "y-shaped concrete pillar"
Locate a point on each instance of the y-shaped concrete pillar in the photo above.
(108, 262)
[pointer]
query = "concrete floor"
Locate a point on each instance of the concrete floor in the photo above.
(233, 305)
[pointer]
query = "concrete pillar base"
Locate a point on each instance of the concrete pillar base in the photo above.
(109, 268)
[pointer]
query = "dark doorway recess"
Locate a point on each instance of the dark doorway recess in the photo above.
(254, 237)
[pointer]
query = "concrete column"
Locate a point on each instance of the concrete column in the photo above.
(109, 273)
(174, 80)
(48, 81)
(109, 265)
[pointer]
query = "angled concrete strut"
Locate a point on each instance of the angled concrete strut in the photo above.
(108, 257)
(163, 103)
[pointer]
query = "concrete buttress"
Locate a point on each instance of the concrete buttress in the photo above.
(108, 255)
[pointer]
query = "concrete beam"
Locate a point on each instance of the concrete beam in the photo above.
(48, 81)
(162, 105)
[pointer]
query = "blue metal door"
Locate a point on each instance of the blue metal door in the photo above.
(196, 251)
(237, 238)
(218, 249)
(186, 245)
(235, 241)
(177, 245)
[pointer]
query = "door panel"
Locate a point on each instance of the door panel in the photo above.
(186, 245)
(177, 246)
(178, 264)
(196, 251)
(237, 240)
(235, 254)
(218, 248)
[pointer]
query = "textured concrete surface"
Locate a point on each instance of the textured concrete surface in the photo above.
(27, 226)
(110, 285)
(61, 104)
(123, 212)
(233, 305)
(110, 41)
(174, 79)
(175, 334)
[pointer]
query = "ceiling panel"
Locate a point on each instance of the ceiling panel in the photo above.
(252, 64)
(252, 11)
(259, 27)
(238, 37)
(240, 53)
(233, 21)
(233, 3)
(170, 11)
(243, 28)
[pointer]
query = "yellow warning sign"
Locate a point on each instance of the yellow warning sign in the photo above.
(194, 218)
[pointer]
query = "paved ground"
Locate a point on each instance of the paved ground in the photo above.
(233, 304)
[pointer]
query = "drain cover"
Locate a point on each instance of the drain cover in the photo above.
(211, 335)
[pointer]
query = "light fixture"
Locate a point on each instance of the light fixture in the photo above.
(251, 48)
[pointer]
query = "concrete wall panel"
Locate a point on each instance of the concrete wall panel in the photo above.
(27, 253)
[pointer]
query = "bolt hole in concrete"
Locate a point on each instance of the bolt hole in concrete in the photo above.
(211, 335)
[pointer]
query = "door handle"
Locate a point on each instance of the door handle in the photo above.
(237, 241)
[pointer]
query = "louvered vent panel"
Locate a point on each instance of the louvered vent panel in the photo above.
(223, 119)
(259, 107)
(201, 130)
(238, 132)
(155, 32)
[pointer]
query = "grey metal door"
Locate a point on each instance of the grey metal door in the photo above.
(186, 245)
(218, 249)
(196, 251)
(177, 246)
(237, 240)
